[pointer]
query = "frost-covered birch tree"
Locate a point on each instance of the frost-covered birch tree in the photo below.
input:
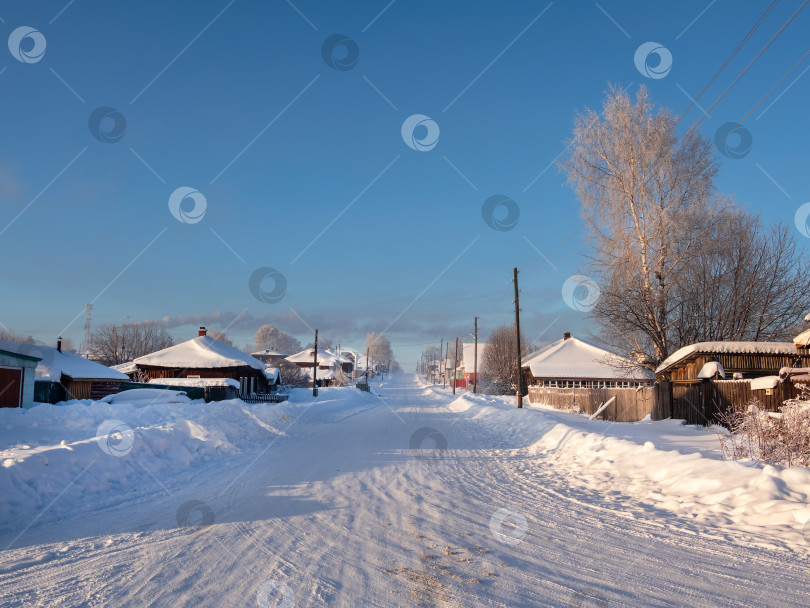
(676, 263)
(647, 199)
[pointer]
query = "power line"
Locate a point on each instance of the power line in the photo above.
(729, 59)
(759, 103)
(752, 62)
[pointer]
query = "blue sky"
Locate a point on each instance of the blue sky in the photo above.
(236, 101)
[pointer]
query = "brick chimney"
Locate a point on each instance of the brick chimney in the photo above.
(201, 332)
(566, 335)
(59, 344)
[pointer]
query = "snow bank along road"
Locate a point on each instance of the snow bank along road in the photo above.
(413, 498)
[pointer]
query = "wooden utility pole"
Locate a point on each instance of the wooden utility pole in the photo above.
(441, 349)
(475, 365)
(368, 373)
(315, 367)
(444, 357)
(517, 341)
(455, 367)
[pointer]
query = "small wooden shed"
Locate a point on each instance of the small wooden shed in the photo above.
(61, 376)
(747, 359)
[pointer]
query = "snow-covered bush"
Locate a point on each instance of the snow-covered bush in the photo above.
(753, 433)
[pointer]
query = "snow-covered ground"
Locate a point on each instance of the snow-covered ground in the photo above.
(411, 497)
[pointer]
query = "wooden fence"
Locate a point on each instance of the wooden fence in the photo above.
(697, 402)
(264, 398)
(700, 402)
(631, 405)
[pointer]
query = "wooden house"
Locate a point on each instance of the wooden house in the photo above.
(271, 357)
(741, 360)
(701, 381)
(18, 363)
(205, 357)
(572, 374)
(329, 363)
(573, 363)
(327, 359)
(471, 362)
(61, 376)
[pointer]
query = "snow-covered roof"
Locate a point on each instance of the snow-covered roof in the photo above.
(24, 349)
(803, 339)
(572, 358)
(326, 357)
(273, 374)
(54, 363)
(201, 352)
(736, 348)
(468, 355)
(268, 352)
(306, 356)
(340, 357)
(362, 364)
(200, 382)
(350, 354)
(709, 370)
(323, 374)
(125, 368)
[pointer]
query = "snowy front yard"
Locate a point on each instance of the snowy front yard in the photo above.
(414, 497)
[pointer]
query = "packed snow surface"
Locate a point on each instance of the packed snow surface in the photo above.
(409, 496)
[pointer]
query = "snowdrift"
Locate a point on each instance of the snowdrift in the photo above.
(662, 465)
(94, 454)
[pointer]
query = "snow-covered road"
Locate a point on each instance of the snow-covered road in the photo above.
(352, 510)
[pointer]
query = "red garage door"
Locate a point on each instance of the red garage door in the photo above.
(11, 379)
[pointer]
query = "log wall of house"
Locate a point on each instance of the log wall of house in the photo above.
(100, 389)
(78, 389)
(259, 382)
(219, 372)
